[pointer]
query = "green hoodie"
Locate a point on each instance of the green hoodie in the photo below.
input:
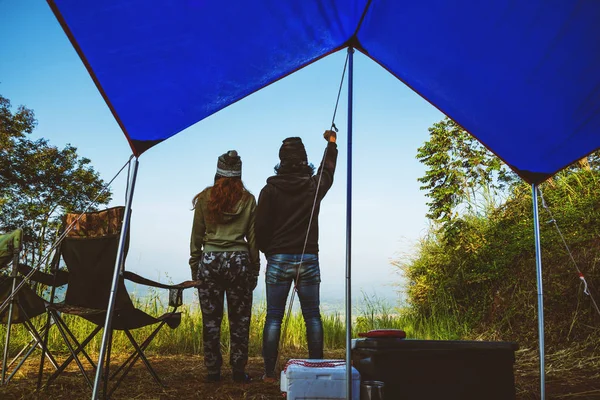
(236, 233)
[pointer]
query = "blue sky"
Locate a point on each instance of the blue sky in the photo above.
(40, 69)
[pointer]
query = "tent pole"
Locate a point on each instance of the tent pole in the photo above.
(115, 282)
(540, 291)
(349, 231)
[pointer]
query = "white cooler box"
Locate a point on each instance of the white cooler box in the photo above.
(318, 379)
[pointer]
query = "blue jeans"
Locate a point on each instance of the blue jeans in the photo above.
(282, 270)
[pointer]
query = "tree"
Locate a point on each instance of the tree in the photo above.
(478, 269)
(13, 126)
(460, 172)
(39, 182)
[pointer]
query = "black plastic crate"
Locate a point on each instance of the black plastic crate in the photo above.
(437, 369)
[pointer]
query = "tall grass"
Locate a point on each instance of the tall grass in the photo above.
(187, 338)
(440, 325)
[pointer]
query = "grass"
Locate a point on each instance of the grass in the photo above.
(377, 314)
(187, 338)
(572, 373)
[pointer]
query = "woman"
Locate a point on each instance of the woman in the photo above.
(290, 241)
(225, 257)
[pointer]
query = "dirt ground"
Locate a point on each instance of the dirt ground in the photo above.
(568, 377)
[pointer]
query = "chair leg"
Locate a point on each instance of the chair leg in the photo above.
(138, 353)
(61, 325)
(107, 364)
(45, 344)
(80, 347)
(35, 343)
(74, 354)
(29, 348)
(7, 342)
(46, 353)
(66, 363)
(39, 342)
(13, 275)
(134, 356)
(74, 339)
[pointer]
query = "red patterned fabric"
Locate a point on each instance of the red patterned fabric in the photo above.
(384, 333)
(315, 363)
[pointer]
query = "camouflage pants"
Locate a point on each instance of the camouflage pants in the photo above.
(228, 273)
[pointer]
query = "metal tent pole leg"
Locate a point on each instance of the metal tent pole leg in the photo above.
(115, 283)
(349, 232)
(540, 290)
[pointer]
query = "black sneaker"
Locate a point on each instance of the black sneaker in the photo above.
(241, 377)
(210, 378)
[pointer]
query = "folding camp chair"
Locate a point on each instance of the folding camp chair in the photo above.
(89, 251)
(24, 305)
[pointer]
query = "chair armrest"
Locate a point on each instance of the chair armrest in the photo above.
(175, 291)
(130, 276)
(61, 278)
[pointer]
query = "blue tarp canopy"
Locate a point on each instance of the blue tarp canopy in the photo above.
(523, 77)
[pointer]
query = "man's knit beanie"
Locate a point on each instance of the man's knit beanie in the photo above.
(292, 151)
(229, 165)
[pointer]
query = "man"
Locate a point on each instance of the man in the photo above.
(289, 237)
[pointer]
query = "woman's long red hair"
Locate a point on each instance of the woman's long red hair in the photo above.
(224, 196)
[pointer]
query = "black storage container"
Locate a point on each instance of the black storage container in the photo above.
(437, 369)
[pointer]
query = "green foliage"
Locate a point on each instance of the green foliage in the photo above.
(40, 182)
(460, 172)
(483, 270)
(14, 125)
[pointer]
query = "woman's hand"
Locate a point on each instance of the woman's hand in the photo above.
(330, 136)
(194, 269)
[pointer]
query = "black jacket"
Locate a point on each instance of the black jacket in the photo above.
(284, 209)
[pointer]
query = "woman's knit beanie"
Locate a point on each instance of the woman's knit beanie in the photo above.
(229, 165)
